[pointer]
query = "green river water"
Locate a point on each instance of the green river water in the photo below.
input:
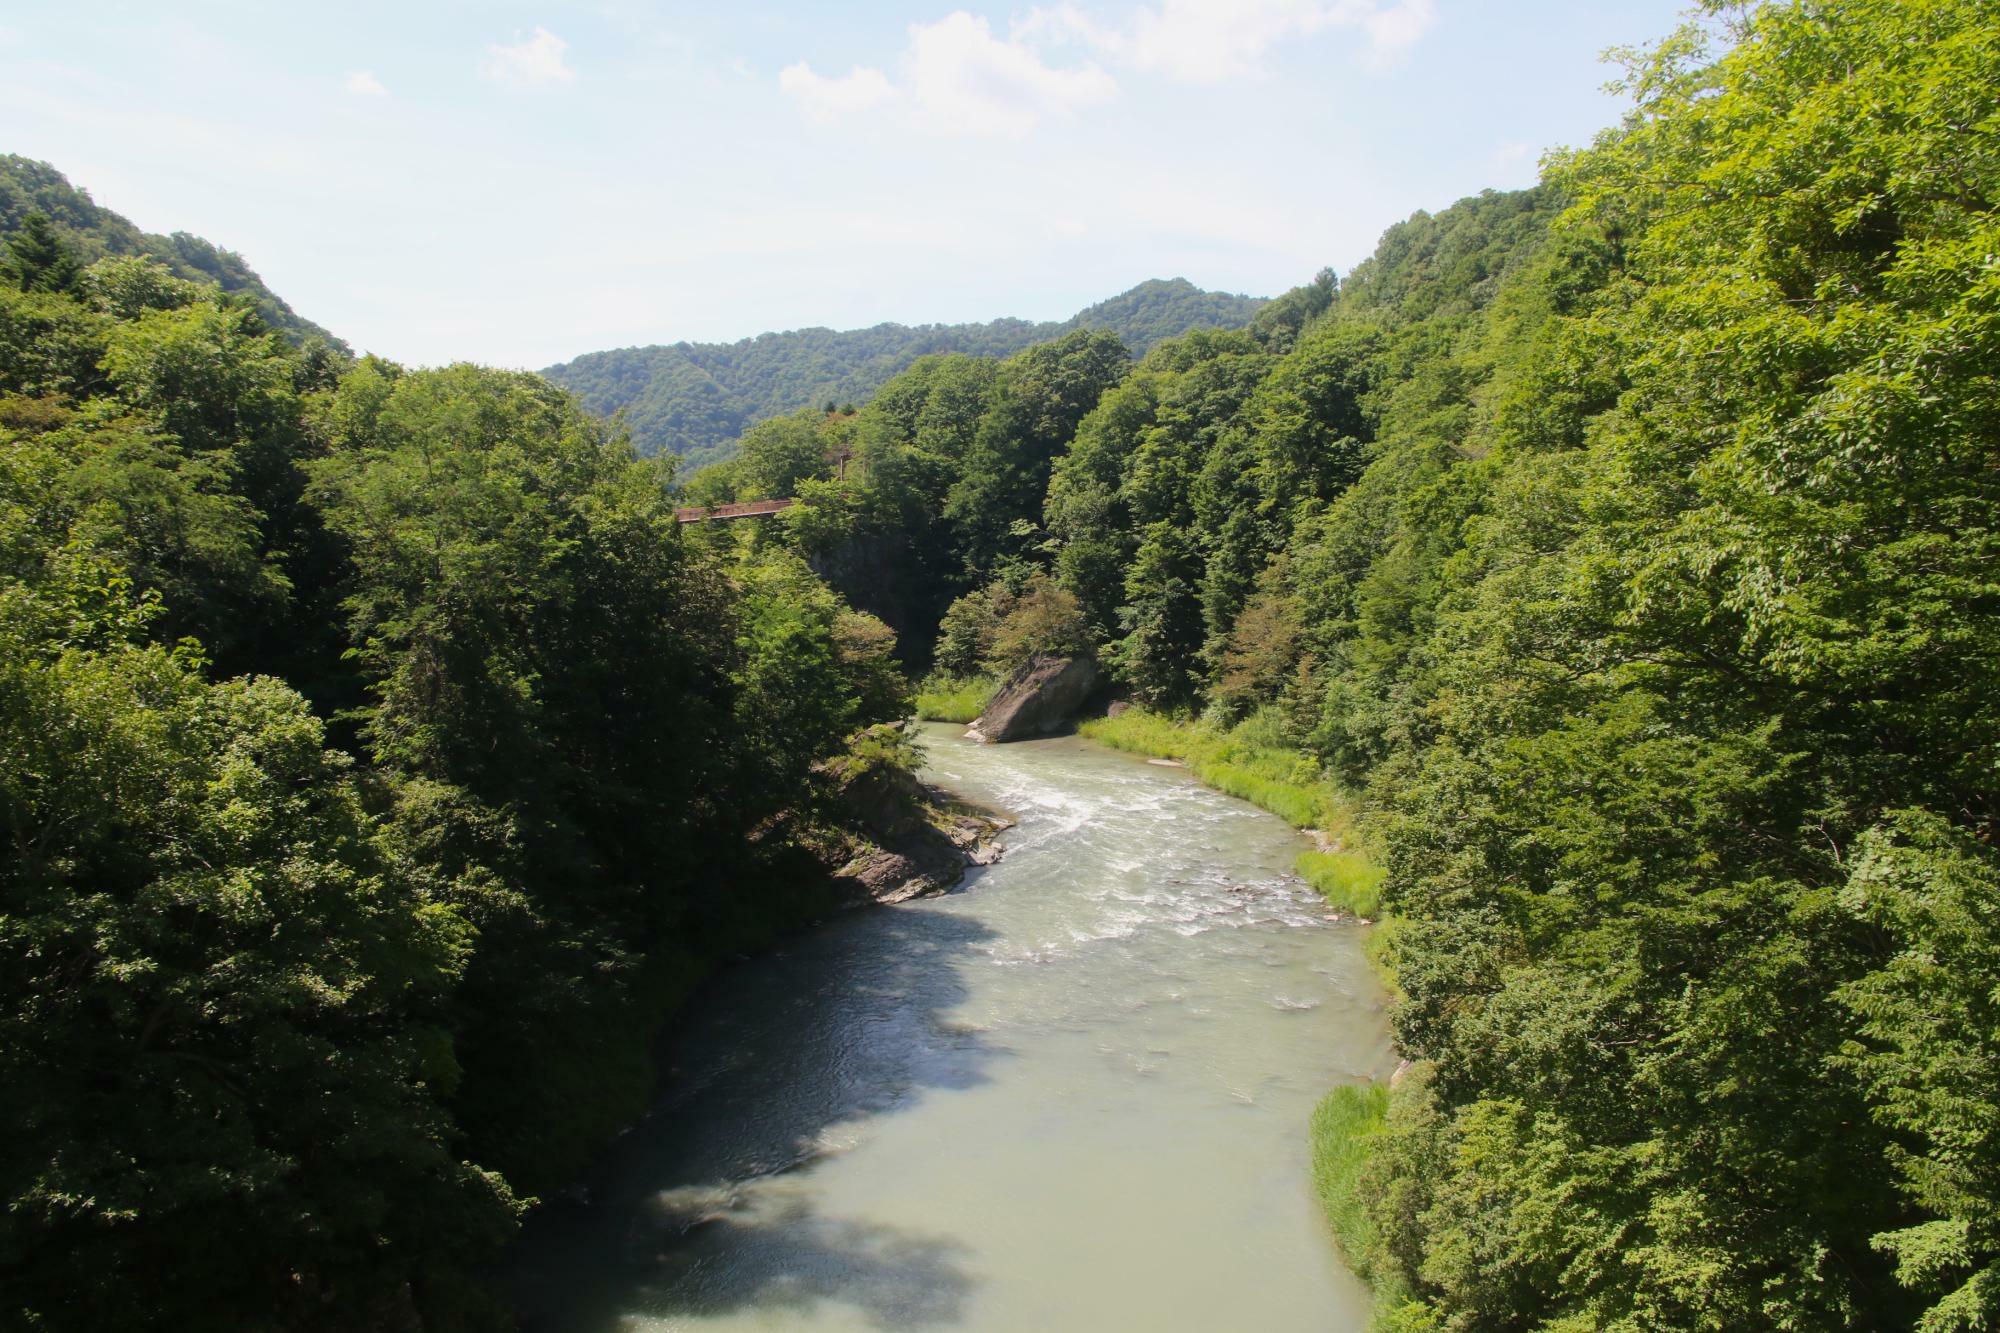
(1071, 1095)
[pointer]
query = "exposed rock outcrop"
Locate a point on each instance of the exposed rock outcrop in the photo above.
(910, 840)
(1041, 698)
(929, 857)
(879, 875)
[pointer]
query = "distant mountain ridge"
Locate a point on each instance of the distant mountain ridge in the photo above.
(94, 231)
(689, 398)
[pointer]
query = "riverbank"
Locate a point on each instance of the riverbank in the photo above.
(1343, 1129)
(895, 838)
(1239, 763)
(875, 835)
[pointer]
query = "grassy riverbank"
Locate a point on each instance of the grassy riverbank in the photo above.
(1251, 763)
(942, 698)
(1344, 1127)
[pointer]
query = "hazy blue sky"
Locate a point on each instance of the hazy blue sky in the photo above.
(518, 183)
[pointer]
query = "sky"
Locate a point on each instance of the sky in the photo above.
(519, 183)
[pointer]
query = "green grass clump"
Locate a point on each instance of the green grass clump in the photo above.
(1297, 805)
(1144, 733)
(954, 698)
(1347, 880)
(1344, 1128)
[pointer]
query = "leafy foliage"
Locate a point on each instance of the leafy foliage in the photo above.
(946, 698)
(1626, 544)
(1622, 547)
(290, 1036)
(996, 629)
(226, 1036)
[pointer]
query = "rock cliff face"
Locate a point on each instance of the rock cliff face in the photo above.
(1041, 698)
(879, 572)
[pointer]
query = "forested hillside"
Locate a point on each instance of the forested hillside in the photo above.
(1626, 547)
(92, 232)
(694, 399)
(380, 769)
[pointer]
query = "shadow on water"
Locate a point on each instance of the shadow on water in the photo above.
(706, 1207)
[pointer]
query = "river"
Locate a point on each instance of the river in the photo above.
(1071, 1095)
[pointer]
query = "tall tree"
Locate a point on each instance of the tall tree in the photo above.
(38, 259)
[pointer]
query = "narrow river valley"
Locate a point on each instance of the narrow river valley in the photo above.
(1071, 1095)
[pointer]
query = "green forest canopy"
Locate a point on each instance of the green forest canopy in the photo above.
(381, 767)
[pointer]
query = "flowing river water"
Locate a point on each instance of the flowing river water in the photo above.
(1071, 1095)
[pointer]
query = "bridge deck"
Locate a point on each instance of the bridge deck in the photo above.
(748, 509)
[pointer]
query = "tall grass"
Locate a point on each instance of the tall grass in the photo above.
(1344, 1125)
(1348, 880)
(1344, 1129)
(942, 698)
(1248, 762)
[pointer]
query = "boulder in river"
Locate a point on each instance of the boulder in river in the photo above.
(1043, 696)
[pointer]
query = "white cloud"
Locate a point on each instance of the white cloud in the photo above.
(1206, 41)
(1394, 28)
(967, 80)
(823, 98)
(536, 59)
(363, 84)
(958, 78)
(1513, 164)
